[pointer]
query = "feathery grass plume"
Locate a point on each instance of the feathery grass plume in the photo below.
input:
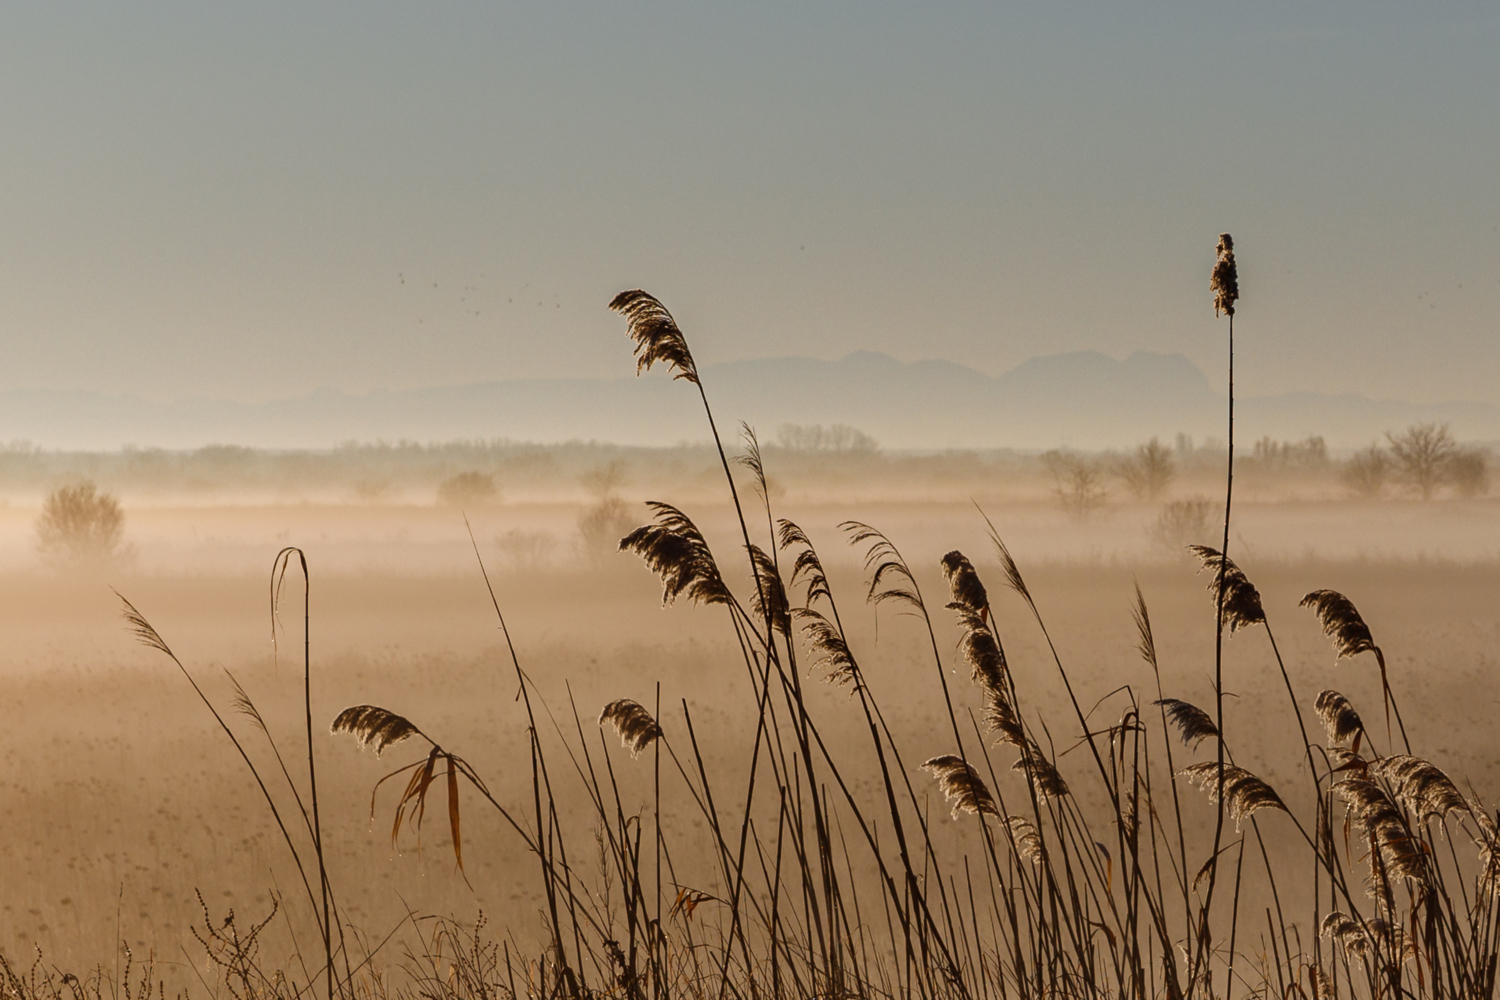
(832, 654)
(1401, 854)
(883, 561)
(1193, 724)
(1224, 282)
(373, 727)
(674, 549)
(966, 586)
(807, 565)
(1346, 932)
(1319, 985)
(1339, 718)
(1341, 622)
(961, 785)
(634, 725)
(981, 650)
(1045, 778)
(1420, 786)
(769, 600)
(1244, 793)
(1024, 837)
(655, 333)
(142, 629)
(1241, 599)
(1008, 565)
(1001, 718)
(1147, 644)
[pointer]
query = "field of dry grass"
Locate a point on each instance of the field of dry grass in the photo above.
(121, 799)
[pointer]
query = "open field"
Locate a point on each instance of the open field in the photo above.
(120, 798)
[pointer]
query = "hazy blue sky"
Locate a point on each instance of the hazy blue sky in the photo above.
(225, 199)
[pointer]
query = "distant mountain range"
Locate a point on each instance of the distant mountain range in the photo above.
(1082, 400)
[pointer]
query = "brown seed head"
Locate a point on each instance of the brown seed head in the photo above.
(1225, 280)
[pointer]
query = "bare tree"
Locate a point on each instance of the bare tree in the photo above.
(1422, 455)
(1080, 482)
(1149, 470)
(1469, 470)
(1367, 470)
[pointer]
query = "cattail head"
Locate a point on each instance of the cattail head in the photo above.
(374, 728)
(1244, 793)
(655, 333)
(636, 728)
(674, 549)
(1341, 622)
(1241, 599)
(966, 586)
(1193, 724)
(961, 785)
(1339, 718)
(1225, 280)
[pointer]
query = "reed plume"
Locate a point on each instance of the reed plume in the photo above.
(1339, 718)
(1024, 836)
(769, 600)
(1244, 793)
(1341, 622)
(831, 652)
(633, 724)
(1396, 853)
(1420, 786)
(1241, 601)
(980, 649)
(1224, 282)
(807, 565)
(961, 785)
(1193, 724)
(674, 549)
(656, 335)
(373, 727)
(964, 582)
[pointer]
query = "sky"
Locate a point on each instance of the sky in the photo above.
(253, 200)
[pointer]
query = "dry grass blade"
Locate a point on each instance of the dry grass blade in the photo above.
(1244, 793)
(961, 785)
(634, 725)
(1193, 724)
(1420, 786)
(674, 549)
(373, 727)
(1339, 718)
(1341, 622)
(689, 900)
(1241, 599)
(833, 655)
(1224, 282)
(964, 582)
(655, 333)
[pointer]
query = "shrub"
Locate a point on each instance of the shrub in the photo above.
(467, 489)
(1182, 523)
(80, 525)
